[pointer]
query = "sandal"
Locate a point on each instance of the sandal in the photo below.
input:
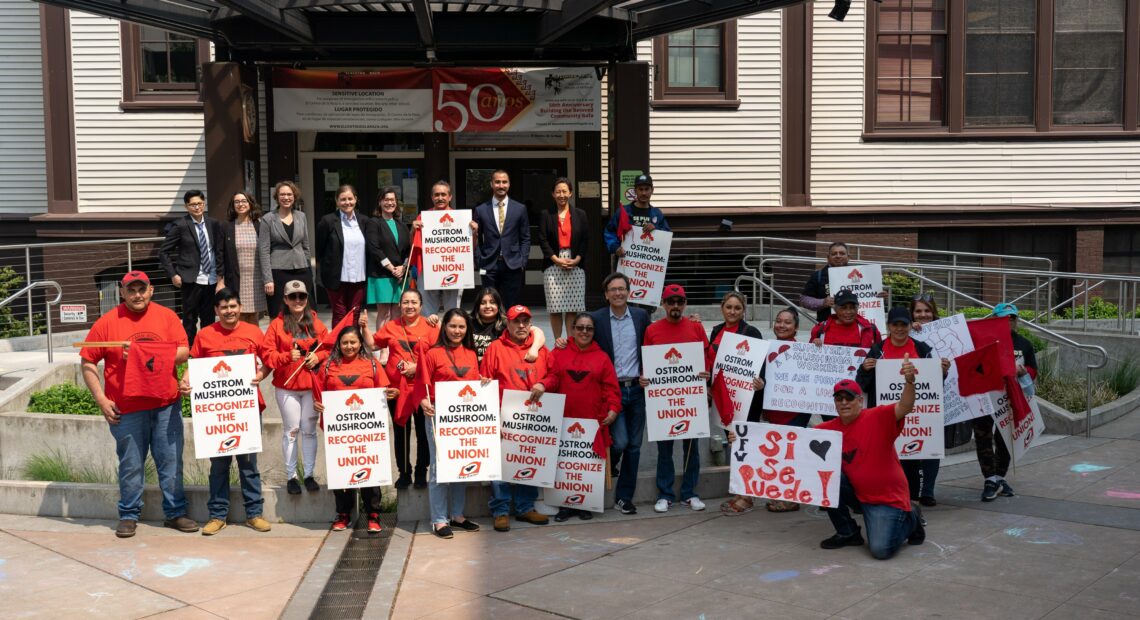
(776, 505)
(737, 506)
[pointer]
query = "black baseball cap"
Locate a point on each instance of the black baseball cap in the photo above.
(846, 296)
(898, 314)
(643, 179)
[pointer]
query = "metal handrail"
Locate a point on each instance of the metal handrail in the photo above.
(22, 246)
(860, 246)
(27, 290)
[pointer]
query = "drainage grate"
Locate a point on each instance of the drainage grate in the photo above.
(347, 591)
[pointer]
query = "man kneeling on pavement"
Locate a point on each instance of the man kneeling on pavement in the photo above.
(872, 477)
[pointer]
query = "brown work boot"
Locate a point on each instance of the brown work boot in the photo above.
(259, 523)
(502, 523)
(534, 517)
(182, 524)
(213, 526)
(126, 528)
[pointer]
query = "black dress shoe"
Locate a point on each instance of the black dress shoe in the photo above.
(293, 487)
(563, 515)
(585, 515)
(421, 480)
(403, 482)
(311, 485)
(467, 525)
(838, 542)
(444, 532)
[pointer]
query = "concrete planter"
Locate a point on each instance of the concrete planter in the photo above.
(1061, 421)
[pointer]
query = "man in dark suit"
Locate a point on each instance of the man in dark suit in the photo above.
(502, 232)
(620, 331)
(193, 257)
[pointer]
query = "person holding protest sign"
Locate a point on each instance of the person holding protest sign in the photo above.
(672, 329)
(436, 302)
(400, 337)
(292, 349)
(872, 478)
(817, 293)
(846, 328)
(138, 397)
(582, 369)
(388, 247)
(350, 366)
(451, 358)
(231, 336)
(343, 251)
(490, 321)
(563, 236)
(923, 474)
(637, 213)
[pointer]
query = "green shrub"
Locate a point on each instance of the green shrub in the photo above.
(1038, 343)
(903, 287)
(55, 466)
(1123, 377)
(1069, 390)
(64, 398)
(10, 326)
(1098, 308)
(186, 410)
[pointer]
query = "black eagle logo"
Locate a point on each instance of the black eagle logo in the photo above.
(348, 379)
(578, 375)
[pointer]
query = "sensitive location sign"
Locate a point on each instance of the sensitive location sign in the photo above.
(800, 376)
(740, 358)
(922, 435)
(866, 281)
(357, 441)
(792, 464)
(675, 403)
(581, 479)
(449, 257)
(223, 402)
(466, 427)
(530, 437)
(644, 263)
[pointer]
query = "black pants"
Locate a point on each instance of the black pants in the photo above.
(920, 476)
(507, 281)
(993, 456)
(280, 277)
(346, 500)
(403, 437)
(197, 306)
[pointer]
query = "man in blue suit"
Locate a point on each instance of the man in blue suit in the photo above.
(502, 232)
(620, 331)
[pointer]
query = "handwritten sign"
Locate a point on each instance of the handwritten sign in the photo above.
(1019, 438)
(223, 403)
(800, 376)
(581, 479)
(358, 449)
(644, 263)
(775, 462)
(949, 337)
(449, 256)
(675, 403)
(466, 426)
(530, 437)
(740, 358)
(866, 281)
(922, 435)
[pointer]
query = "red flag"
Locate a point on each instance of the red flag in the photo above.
(722, 399)
(624, 225)
(979, 371)
(345, 321)
(416, 259)
(986, 331)
(1017, 400)
(149, 371)
(602, 441)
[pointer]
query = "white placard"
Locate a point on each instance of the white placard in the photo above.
(644, 263)
(740, 358)
(957, 408)
(223, 403)
(676, 405)
(793, 464)
(358, 449)
(530, 437)
(922, 436)
(800, 376)
(866, 281)
(949, 338)
(581, 479)
(449, 256)
(72, 313)
(1019, 438)
(466, 427)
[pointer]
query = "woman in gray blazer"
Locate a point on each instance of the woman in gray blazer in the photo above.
(286, 238)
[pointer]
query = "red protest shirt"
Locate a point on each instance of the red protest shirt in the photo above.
(587, 377)
(870, 461)
(157, 324)
(662, 331)
(891, 352)
(504, 360)
(359, 374)
(401, 341)
(438, 363)
(217, 341)
(860, 333)
(277, 353)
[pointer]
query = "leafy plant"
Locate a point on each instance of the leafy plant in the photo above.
(1124, 377)
(1098, 308)
(55, 466)
(186, 410)
(10, 326)
(903, 287)
(64, 398)
(1069, 390)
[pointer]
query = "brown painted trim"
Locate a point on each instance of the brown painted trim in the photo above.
(870, 56)
(59, 111)
(281, 145)
(1132, 66)
(134, 99)
(1043, 100)
(956, 66)
(795, 115)
(698, 98)
(1009, 135)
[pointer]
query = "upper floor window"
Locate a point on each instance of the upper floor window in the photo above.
(696, 67)
(161, 68)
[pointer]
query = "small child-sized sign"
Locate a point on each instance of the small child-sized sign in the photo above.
(675, 403)
(358, 449)
(793, 464)
(581, 479)
(223, 405)
(466, 428)
(530, 437)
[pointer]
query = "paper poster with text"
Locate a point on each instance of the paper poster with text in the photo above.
(1019, 438)
(449, 256)
(922, 436)
(581, 479)
(530, 437)
(358, 438)
(466, 427)
(740, 358)
(646, 258)
(866, 281)
(949, 337)
(676, 405)
(800, 375)
(772, 461)
(223, 402)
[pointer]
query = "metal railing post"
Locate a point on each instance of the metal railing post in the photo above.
(1088, 402)
(28, 279)
(1085, 323)
(130, 259)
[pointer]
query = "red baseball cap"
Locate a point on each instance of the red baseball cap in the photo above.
(516, 311)
(673, 290)
(849, 386)
(135, 276)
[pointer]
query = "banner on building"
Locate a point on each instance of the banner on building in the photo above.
(782, 463)
(676, 405)
(358, 440)
(466, 427)
(581, 479)
(866, 281)
(644, 263)
(740, 358)
(800, 375)
(923, 435)
(530, 437)
(449, 253)
(223, 405)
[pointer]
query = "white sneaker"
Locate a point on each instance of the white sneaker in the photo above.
(662, 505)
(694, 502)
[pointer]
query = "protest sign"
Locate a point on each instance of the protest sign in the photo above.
(740, 358)
(793, 464)
(800, 376)
(644, 263)
(358, 449)
(449, 257)
(581, 479)
(949, 338)
(957, 408)
(1018, 437)
(530, 437)
(675, 403)
(866, 281)
(223, 403)
(466, 426)
(922, 436)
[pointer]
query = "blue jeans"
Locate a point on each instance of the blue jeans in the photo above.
(666, 477)
(503, 492)
(158, 431)
(627, 433)
(887, 526)
(447, 499)
(248, 476)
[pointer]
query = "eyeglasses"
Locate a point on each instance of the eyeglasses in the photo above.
(583, 328)
(617, 289)
(675, 301)
(927, 297)
(241, 201)
(844, 397)
(297, 297)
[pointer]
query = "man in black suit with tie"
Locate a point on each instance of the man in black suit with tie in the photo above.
(502, 231)
(193, 256)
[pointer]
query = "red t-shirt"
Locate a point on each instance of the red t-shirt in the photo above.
(217, 341)
(662, 331)
(891, 352)
(504, 361)
(842, 335)
(438, 363)
(870, 461)
(359, 374)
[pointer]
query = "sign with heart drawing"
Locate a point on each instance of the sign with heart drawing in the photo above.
(801, 375)
(787, 463)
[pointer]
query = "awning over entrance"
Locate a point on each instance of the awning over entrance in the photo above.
(467, 32)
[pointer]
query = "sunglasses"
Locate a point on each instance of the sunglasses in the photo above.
(583, 328)
(844, 397)
(674, 301)
(297, 297)
(927, 297)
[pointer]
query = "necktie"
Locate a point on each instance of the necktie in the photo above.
(502, 215)
(206, 258)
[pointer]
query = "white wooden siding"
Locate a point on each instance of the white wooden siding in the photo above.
(126, 162)
(848, 172)
(23, 168)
